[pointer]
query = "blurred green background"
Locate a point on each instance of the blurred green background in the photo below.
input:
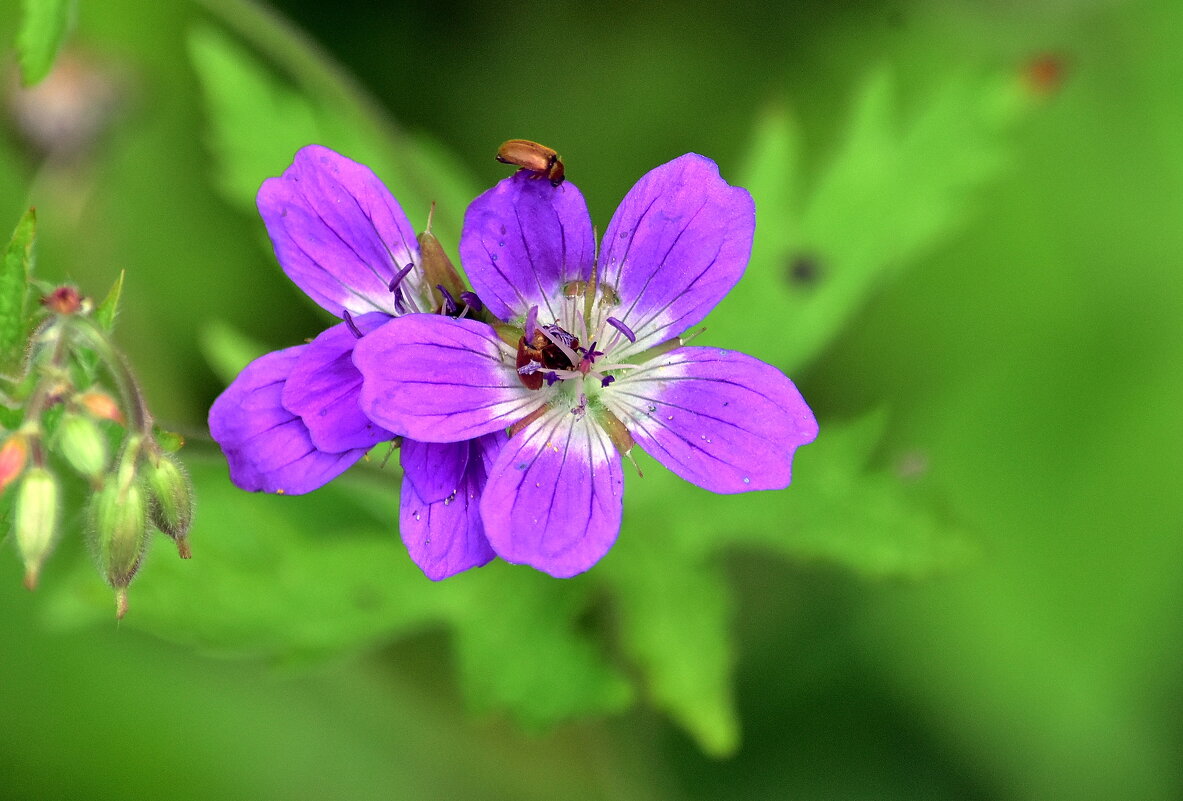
(968, 253)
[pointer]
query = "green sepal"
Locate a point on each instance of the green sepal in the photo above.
(108, 310)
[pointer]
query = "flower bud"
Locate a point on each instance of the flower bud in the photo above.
(170, 499)
(14, 454)
(101, 406)
(36, 520)
(81, 442)
(119, 525)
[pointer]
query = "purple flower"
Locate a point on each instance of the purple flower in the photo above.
(290, 422)
(590, 360)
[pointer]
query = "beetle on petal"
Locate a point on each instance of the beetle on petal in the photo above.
(539, 160)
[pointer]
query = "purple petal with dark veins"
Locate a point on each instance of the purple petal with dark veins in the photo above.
(446, 537)
(324, 386)
(676, 245)
(438, 379)
(435, 468)
(554, 496)
(269, 448)
(718, 418)
(523, 240)
(337, 232)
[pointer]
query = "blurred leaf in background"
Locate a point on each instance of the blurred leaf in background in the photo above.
(42, 30)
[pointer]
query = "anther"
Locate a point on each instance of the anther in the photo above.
(622, 328)
(352, 325)
(449, 301)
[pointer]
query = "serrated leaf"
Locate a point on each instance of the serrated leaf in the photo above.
(675, 606)
(893, 189)
(42, 31)
(519, 648)
(675, 625)
(14, 294)
(108, 310)
(258, 122)
(312, 577)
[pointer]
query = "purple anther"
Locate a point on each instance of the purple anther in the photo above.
(591, 353)
(400, 301)
(531, 323)
(352, 325)
(449, 301)
(472, 300)
(530, 367)
(399, 276)
(551, 378)
(606, 380)
(622, 328)
(581, 409)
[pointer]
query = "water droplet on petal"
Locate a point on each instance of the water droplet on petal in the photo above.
(747, 480)
(501, 244)
(416, 515)
(494, 256)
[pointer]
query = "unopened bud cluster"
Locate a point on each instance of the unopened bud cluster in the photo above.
(80, 417)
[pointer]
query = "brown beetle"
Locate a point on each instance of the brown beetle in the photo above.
(537, 159)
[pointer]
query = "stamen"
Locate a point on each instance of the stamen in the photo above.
(449, 301)
(530, 368)
(400, 300)
(606, 380)
(399, 276)
(531, 323)
(581, 409)
(473, 301)
(352, 325)
(551, 378)
(622, 328)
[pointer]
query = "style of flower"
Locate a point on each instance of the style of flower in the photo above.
(290, 422)
(589, 360)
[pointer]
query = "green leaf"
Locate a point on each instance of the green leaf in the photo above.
(108, 310)
(258, 121)
(893, 189)
(674, 605)
(675, 625)
(43, 28)
(14, 294)
(519, 647)
(311, 577)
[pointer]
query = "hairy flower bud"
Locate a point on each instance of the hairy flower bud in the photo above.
(36, 520)
(170, 499)
(119, 525)
(81, 442)
(14, 454)
(100, 405)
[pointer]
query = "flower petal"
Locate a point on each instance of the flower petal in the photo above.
(435, 379)
(324, 387)
(554, 496)
(523, 240)
(338, 233)
(677, 244)
(446, 536)
(269, 448)
(718, 418)
(435, 468)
